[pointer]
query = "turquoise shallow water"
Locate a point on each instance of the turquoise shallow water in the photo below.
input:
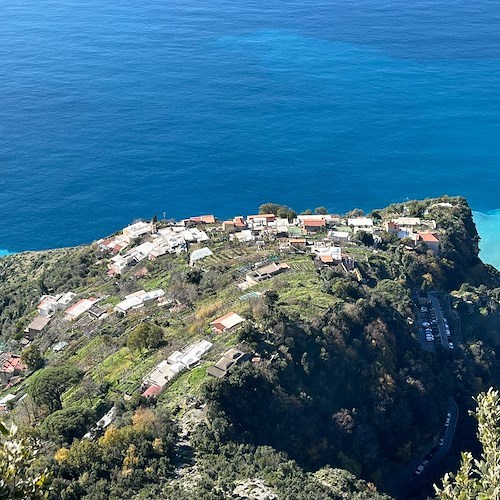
(111, 111)
(488, 226)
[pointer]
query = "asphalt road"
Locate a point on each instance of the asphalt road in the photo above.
(409, 483)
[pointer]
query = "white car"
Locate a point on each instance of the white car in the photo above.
(441, 441)
(450, 345)
(423, 309)
(425, 324)
(419, 470)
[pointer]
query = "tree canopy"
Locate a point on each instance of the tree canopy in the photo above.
(48, 386)
(145, 336)
(279, 210)
(479, 479)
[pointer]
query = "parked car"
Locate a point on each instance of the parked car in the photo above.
(426, 324)
(423, 309)
(419, 470)
(441, 441)
(450, 345)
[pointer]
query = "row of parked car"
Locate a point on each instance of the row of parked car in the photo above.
(430, 325)
(435, 448)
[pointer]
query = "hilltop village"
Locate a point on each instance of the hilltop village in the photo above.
(326, 238)
(186, 315)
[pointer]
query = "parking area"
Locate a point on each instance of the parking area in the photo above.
(433, 328)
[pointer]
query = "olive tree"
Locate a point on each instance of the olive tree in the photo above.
(478, 479)
(17, 477)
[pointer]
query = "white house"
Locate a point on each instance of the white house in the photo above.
(177, 362)
(49, 304)
(407, 221)
(360, 222)
(316, 217)
(118, 263)
(199, 254)
(245, 236)
(137, 230)
(138, 299)
(327, 250)
(339, 236)
(79, 308)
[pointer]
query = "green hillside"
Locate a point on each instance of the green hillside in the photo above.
(337, 390)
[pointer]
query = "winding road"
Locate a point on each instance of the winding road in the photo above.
(409, 482)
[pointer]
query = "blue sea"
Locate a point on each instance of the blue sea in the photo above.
(115, 110)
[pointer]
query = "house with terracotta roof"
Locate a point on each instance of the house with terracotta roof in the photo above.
(262, 218)
(326, 217)
(391, 227)
(235, 225)
(153, 391)
(327, 259)
(227, 322)
(430, 239)
(313, 225)
(260, 222)
(10, 366)
(114, 244)
(201, 219)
